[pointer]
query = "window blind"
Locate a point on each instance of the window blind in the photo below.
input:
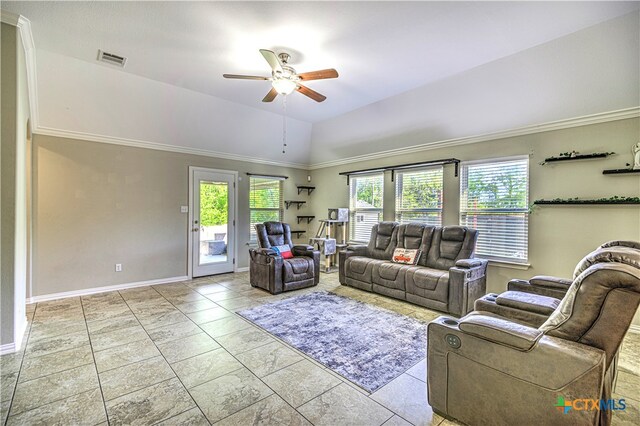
(419, 196)
(494, 199)
(265, 202)
(365, 205)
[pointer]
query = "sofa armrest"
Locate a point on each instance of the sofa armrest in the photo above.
(501, 331)
(263, 255)
(357, 250)
(469, 263)
(467, 283)
(343, 255)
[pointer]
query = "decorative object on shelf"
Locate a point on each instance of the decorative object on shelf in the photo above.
(309, 218)
(288, 203)
(309, 189)
(340, 214)
(575, 155)
(575, 201)
(636, 156)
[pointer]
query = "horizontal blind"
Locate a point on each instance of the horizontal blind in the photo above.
(494, 199)
(265, 202)
(419, 196)
(365, 204)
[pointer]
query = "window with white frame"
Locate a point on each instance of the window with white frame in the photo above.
(265, 202)
(365, 204)
(419, 196)
(494, 199)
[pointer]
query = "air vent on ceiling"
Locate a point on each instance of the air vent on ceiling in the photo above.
(111, 58)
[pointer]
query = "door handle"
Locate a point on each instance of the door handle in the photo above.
(195, 229)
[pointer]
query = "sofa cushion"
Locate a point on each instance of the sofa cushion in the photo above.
(427, 282)
(360, 268)
(388, 274)
(297, 269)
(450, 244)
(383, 240)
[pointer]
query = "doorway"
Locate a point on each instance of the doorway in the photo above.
(212, 236)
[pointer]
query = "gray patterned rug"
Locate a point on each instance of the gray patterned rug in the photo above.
(369, 346)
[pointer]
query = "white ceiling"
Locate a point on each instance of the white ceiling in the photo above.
(380, 49)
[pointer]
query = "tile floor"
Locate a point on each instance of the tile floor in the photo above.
(177, 354)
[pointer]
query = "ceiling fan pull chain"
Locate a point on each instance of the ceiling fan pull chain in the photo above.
(284, 123)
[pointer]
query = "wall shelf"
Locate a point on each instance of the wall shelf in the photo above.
(576, 157)
(309, 189)
(586, 202)
(620, 171)
(298, 233)
(298, 203)
(308, 218)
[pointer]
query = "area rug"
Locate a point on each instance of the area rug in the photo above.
(367, 345)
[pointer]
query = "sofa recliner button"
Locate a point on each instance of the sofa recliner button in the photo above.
(453, 341)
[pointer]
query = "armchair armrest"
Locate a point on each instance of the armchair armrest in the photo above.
(543, 285)
(501, 331)
(266, 251)
(343, 255)
(302, 250)
(467, 283)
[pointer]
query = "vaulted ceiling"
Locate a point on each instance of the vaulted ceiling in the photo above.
(382, 50)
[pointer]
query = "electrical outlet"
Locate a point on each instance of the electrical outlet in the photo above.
(118, 267)
(184, 209)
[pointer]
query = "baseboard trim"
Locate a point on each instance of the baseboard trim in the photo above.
(7, 349)
(94, 290)
(21, 335)
(245, 269)
(634, 328)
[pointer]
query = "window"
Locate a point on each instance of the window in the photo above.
(365, 204)
(265, 202)
(419, 196)
(494, 199)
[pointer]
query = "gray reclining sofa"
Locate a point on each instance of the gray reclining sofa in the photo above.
(446, 278)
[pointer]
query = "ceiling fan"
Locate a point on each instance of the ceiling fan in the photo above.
(284, 79)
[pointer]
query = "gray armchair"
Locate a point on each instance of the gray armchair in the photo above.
(269, 271)
(489, 369)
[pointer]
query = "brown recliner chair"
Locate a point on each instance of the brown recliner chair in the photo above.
(489, 369)
(269, 271)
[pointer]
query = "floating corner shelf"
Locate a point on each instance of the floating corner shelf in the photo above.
(620, 171)
(308, 218)
(309, 189)
(288, 203)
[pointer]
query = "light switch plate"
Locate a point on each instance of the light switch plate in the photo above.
(184, 209)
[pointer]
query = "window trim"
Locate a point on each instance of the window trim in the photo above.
(421, 210)
(354, 211)
(253, 236)
(525, 210)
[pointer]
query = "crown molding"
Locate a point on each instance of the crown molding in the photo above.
(69, 134)
(586, 120)
(24, 27)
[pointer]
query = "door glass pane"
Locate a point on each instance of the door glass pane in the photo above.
(214, 218)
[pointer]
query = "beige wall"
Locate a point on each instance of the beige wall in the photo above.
(558, 236)
(13, 197)
(98, 204)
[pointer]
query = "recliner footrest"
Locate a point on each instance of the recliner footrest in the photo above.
(528, 302)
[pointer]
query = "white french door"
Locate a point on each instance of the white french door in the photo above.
(212, 221)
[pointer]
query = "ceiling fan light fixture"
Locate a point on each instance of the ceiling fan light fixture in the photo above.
(284, 86)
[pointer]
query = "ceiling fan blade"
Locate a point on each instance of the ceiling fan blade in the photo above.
(245, 77)
(271, 95)
(310, 93)
(319, 75)
(273, 60)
